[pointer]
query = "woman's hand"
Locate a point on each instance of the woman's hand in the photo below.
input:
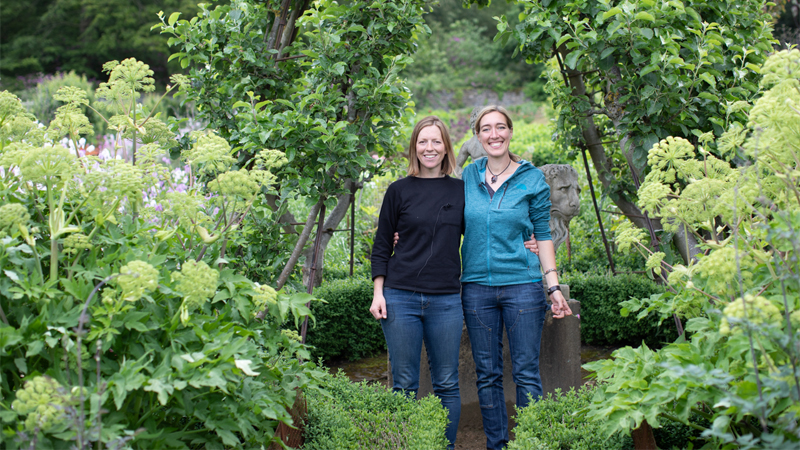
(560, 305)
(378, 308)
(532, 246)
(396, 238)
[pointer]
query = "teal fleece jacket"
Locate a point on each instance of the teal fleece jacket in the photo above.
(493, 251)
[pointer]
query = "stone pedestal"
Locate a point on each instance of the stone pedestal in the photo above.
(559, 365)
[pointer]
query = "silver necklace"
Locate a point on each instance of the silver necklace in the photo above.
(494, 176)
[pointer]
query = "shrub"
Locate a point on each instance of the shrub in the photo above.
(553, 424)
(345, 328)
(601, 322)
(359, 415)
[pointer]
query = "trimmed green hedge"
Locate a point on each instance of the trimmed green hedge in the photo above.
(354, 416)
(550, 424)
(601, 322)
(345, 328)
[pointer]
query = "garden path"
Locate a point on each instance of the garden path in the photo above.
(375, 370)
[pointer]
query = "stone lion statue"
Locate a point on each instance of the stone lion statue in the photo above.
(564, 198)
(472, 147)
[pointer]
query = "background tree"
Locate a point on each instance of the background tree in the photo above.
(630, 73)
(45, 36)
(330, 99)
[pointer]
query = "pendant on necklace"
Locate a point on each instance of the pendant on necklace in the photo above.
(494, 179)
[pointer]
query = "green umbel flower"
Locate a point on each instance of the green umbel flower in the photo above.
(136, 278)
(198, 283)
(759, 311)
(48, 164)
(235, 183)
(12, 215)
(42, 402)
(628, 235)
(264, 295)
(211, 154)
(76, 242)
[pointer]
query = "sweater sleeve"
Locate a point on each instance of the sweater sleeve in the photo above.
(382, 247)
(539, 212)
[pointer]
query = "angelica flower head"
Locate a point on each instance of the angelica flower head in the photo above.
(41, 401)
(628, 235)
(666, 157)
(758, 311)
(235, 183)
(76, 242)
(197, 283)
(125, 81)
(136, 278)
(271, 160)
(48, 164)
(210, 153)
(13, 215)
(264, 295)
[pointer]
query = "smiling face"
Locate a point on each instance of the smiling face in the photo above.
(430, 152)
(494, 134)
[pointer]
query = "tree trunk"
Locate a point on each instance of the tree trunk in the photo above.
(331, 222)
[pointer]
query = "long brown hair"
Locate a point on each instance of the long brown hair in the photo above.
(449, 162)
(496, 108)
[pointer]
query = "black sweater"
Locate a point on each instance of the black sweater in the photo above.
(428, 214)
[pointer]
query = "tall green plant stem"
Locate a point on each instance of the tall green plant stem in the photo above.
(53, 238)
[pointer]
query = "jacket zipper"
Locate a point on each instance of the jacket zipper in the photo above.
(505, 188)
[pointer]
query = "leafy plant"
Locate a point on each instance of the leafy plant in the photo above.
(328, 100)
(354, 416)
(626, 74)
(120, 324)
(738, 365)
(601, 323)
(345, 328)
(553, 424)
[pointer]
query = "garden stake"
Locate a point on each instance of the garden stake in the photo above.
(352, 225)
(313, 272)
(597, 209)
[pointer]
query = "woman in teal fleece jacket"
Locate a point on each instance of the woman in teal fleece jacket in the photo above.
(506, 199)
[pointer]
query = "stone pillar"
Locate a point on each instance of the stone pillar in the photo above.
(559, 365)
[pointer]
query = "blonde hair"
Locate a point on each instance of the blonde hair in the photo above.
(449, 162)
(490, 109)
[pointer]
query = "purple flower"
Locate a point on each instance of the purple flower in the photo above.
(457, 39)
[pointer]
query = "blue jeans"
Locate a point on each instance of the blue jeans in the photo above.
(436, 319)
(521, 308)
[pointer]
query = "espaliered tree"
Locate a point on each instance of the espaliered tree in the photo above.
(316, 82)
(626, 74)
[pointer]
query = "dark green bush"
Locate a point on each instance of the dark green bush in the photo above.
(552, 424)
(601, 322)
(348, 415)
(345, 328)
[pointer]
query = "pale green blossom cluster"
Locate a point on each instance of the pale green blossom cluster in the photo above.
(76, 242)
(235, 183)
(137, 278)
(759, 311)
(41, 401)
(264, 295)
(210, 153)
(12, 215)
(197, 283)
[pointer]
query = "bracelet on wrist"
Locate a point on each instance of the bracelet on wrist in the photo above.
(550, 270)
(552, 289)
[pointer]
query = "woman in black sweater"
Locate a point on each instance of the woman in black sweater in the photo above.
(417, 283)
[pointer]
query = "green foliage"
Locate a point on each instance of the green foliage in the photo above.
(46, 36)
(355, 416)
(739, 366)
(459, 55)
(553, 424)
(123, 318)
(658, 68)
(601, 323)
(345, 328)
